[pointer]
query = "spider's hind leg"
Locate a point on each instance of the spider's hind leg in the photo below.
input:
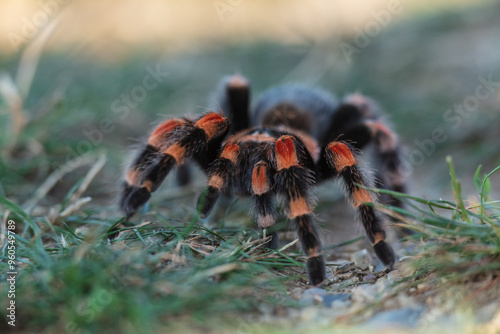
(339, 157)
(358, 121)
(233, 97)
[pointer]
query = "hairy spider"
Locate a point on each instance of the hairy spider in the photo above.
(293, 138)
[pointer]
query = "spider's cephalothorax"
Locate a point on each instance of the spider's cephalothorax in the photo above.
(292, 139)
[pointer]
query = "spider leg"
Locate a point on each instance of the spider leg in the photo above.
(220, 173)
(358, 120)
(265, 213)
(144, 159)
(233, 97)
(294, 183)
(170, 144)
(339, 157)
(390, 170)
(183, 175)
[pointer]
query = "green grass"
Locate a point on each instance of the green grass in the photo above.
(455, 251)
(148, 278)
(458, 241)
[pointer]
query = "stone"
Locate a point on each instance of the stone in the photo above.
(312, 296)
(369, 278)
(364, 293)
(403, 318)
(361, 259)
(328, 300)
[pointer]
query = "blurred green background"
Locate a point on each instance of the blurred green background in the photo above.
(418, 59)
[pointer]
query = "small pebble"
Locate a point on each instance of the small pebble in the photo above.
(369, 278)
(328, 300)
(399, 320)
(364, 293)
(393, 275)
(318, 299)
(312, 296)
(309, 313)
(379, 268)
(361, 259)
(312, 292)
(334, 279)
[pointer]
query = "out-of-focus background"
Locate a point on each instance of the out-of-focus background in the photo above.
(84, 80)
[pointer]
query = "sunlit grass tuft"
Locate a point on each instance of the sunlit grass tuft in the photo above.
(459, 241)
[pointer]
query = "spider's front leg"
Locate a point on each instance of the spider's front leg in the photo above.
(340, 159)
(263, 197)
(220, 174)
(294, 182)
(172, 143)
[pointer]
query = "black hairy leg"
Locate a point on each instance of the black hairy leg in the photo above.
(340, 159)
(170, 144)
(358, 121)
(294, 183)
(264, 211)
(146, 157)
(220, 175)
(390, 172)
(233, 97)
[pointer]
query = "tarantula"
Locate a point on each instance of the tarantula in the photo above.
(293, 138)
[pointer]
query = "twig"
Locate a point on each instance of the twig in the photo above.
(220, 269)
(55, 177)
(30, 58)
(75, 206)
(485, 287)
(345, 243)
(288, 245)
(50, 100)
(354, 284)
(89, 177)
(10, 93)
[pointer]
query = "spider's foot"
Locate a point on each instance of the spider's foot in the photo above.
(207, 200)
(126, 190)
(273, 243)
(136, 198)
(385, 253)
(115, 232)
(316, 270)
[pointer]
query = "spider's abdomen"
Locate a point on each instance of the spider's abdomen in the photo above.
(297, 107)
